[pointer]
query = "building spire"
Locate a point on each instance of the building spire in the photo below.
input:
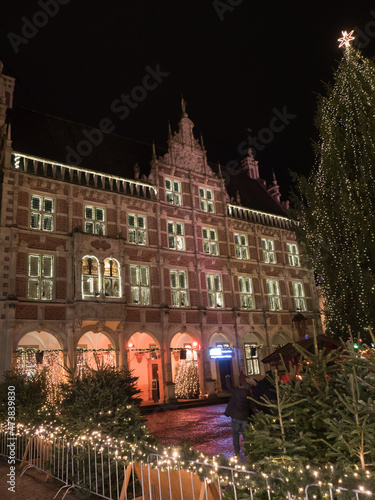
(183, 107)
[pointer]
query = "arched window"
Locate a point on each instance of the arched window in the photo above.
(90, 276)
(112, 282)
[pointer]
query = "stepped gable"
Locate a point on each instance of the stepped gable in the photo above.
(184, 150)
(47, 137)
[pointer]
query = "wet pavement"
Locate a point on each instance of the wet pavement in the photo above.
(206, 428)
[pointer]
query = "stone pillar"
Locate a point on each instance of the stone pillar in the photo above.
(202, 393)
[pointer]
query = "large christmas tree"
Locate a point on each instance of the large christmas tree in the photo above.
(336, 204)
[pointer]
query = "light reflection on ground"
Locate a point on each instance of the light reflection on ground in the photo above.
(206, 428)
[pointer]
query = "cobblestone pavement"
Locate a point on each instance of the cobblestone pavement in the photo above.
(206, 428)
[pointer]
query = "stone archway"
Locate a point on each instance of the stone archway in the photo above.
(144, 361)
(37, 350)
(221, 363)
(94, 350)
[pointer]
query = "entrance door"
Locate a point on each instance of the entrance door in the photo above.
(225, 368)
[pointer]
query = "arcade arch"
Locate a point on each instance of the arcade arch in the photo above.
(221, 363)
(95, 349)
(185, 358)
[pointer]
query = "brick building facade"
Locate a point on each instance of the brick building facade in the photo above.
(108, 243)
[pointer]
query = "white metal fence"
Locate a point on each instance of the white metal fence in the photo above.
(106, 473)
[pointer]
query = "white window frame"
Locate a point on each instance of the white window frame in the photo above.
(241, 246)
(179, 288)
(137, 234)
(293, 254)
(42, 280)
(245, 285)
(210, 241)
(251, 358)
(41, 218)
(214, 291)
(140, 286)
(94, 280)
(269, 254)
(176, 237)
(273, 291)
(206, 200)
(112, 283)
(299, 296)
(173, 192)
(97, 224)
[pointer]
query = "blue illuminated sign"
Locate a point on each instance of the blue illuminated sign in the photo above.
(220, 353)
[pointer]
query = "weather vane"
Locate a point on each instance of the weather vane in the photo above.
(346, 39)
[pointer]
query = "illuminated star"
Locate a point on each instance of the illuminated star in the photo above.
(346, 39)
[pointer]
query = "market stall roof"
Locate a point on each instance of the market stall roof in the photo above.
(289, 352)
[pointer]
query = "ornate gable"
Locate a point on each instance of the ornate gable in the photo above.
(184, 150)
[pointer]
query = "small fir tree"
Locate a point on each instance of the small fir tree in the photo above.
(187, 380)
(336, 204)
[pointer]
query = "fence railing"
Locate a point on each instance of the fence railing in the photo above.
(108, 473)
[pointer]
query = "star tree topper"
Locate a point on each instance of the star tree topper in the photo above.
(346, 39)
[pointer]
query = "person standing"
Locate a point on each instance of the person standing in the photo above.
(238, 409)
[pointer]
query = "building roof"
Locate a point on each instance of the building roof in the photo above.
(289, 351)
(52, 138)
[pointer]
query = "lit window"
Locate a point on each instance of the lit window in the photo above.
(179, 289)
(173, 192)
(191, 354)
(242, 251)
(41, 216)
(94, 220)
(140, 285)
(210, 241)
(246, 292)
(268, 251)
(176, 240)
(273, 295)
(293, 255)
(40, 279)
(207, 200)
(251, 359)
(299, 296)
(90, 277)
(215, 295)
(112, 283)
(137, 229)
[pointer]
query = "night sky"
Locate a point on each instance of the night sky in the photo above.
(238, 64)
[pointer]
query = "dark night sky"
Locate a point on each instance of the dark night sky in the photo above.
(233, 73)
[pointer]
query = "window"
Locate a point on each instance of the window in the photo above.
(268, 251)
(94, 220)
(176, 240)
(137, 229)
(293, 255)
(251, 359)
(273, 295)
(140, 285)
(40, 277)
(112, 284)
(191, 353)
(41, 216)
(246, 293)
(207, 200)
(179, 288)
(173, 192)
(26, 359)
(242, 251)
(210, 241)
(90, 276)
(215, 295)
(299, 296)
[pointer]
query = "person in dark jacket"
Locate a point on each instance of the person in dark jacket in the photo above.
(238, 409)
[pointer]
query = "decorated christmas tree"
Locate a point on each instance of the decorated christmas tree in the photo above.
(187, 380)
(336, 203)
